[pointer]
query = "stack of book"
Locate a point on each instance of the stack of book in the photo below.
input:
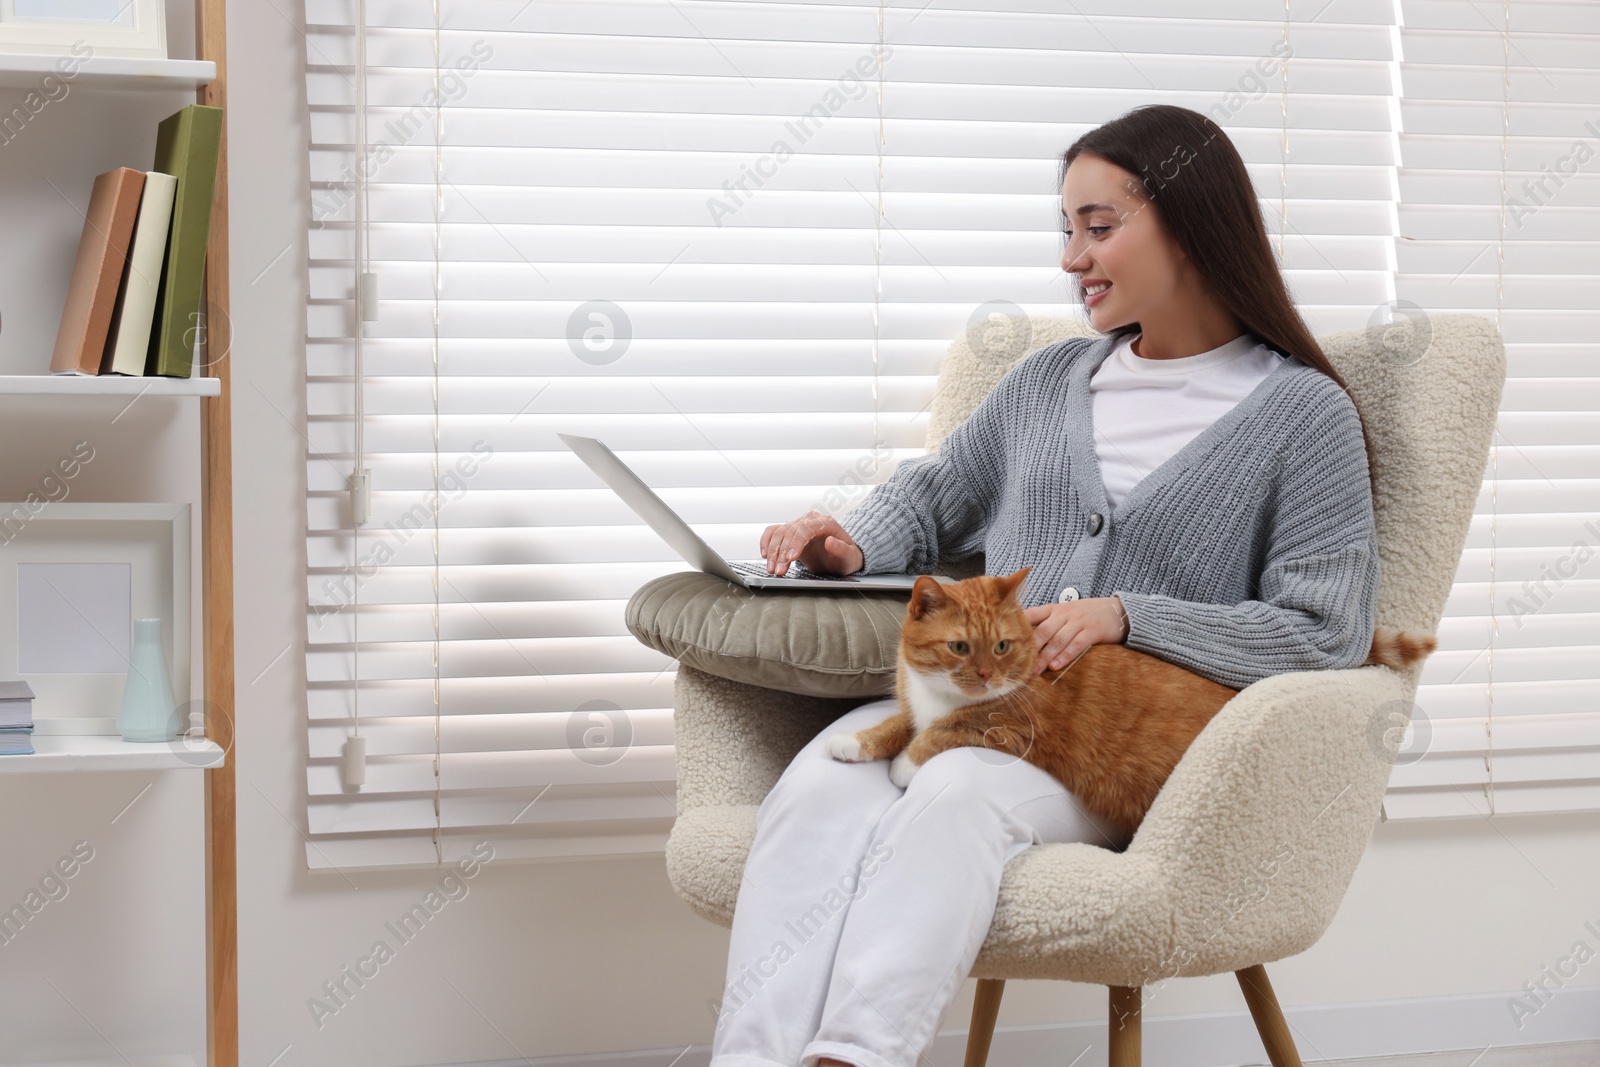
(134, 303)
(16, 719)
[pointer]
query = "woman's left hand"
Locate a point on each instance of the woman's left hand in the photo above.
(1065, 631)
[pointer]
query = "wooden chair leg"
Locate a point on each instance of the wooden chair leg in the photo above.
(1124, 1049)
(1268, 1016)
(985, 1010)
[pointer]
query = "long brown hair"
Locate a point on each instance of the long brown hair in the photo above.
(1209, 206)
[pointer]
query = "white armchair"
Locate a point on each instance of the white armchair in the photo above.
(1248, 850)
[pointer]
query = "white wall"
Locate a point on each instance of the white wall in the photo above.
(568, 957)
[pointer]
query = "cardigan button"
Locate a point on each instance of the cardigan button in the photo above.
(1094, 523)
(1069, 593)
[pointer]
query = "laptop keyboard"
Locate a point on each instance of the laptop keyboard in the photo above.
(796, 570)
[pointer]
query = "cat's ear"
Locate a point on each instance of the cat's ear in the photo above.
(927, 596)
(1010, 583)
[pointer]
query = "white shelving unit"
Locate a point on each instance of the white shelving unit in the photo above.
(107, 385)
(136, 1061)
(62, 747)
(71, 753)
(109, 72)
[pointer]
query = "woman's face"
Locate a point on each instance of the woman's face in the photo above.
(1116, 236)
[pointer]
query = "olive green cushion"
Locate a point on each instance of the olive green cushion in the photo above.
(817, 644)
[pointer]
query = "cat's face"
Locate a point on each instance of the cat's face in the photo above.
(970, 636)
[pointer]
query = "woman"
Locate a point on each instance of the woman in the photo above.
(1193, 483)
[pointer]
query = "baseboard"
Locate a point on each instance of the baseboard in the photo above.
(1228, 1039)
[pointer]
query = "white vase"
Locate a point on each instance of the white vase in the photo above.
(149, 712)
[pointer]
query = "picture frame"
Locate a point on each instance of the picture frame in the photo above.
(136, 28)
(48, 538)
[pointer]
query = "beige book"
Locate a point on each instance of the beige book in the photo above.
(136, 304)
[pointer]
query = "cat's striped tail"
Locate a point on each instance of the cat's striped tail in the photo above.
(1398, 649)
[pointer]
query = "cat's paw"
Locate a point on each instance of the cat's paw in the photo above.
(901, 770)
(846, 747)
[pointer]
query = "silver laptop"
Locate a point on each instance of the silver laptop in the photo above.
(688, 544)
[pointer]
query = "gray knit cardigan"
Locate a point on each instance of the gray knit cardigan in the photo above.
(1250, 552)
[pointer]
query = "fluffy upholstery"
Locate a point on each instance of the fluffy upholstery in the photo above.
(965, 379)
(1248, 850)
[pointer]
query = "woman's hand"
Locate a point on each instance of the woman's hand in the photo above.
(1065, 631)
(816, 540)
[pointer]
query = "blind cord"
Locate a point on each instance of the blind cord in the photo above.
(877, 261)
(1494, 451)
(354, 765)
(358, 306)
(438, 248)
(366, 289)
(1283, 156)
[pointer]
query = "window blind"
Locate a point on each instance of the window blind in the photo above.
(733, 241)
(1499, 216)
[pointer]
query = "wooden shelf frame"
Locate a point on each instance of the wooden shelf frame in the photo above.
(216, 569)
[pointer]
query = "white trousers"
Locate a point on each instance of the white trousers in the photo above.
(864, 905)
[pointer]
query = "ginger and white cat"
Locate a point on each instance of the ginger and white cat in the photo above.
(1110, 727)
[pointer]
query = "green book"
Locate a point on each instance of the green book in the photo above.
(187, 146)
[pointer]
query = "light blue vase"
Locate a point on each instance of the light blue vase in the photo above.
(149, 711)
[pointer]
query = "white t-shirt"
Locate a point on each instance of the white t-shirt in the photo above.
(1145, 410)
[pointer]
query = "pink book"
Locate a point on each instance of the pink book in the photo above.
(97, 274)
